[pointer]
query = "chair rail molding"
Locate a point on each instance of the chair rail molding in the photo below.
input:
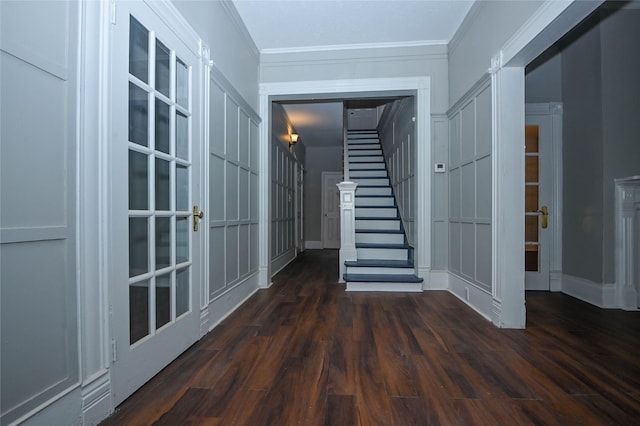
(627, 242)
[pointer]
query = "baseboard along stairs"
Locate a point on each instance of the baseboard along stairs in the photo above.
(385, 259)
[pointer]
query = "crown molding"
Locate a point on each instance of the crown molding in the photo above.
(358, 46)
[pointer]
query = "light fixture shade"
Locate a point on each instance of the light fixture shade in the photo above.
(294, 138)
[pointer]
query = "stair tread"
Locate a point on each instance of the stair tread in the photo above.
(367, 170)
(383, 263)
(375, 207)
(403, 278)
(382, 245)
(379, 231)
(374, 196)
(376, 218)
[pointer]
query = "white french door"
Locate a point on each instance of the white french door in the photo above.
(538, 201)
(155, 264)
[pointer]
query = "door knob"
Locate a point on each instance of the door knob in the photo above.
(545, 216)
(197, 215)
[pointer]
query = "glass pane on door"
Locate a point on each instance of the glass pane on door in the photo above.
(159, 171)
(532, 192)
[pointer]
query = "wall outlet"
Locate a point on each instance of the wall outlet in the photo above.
(439, 168)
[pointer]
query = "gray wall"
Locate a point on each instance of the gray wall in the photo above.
(485, 29)
(470, 188)
(582, 157)
(283, 168)
(232, 49)
(594, 73)
(397, 136)
(620, 54)
(319, 159)
(39, 312)
(363, 64)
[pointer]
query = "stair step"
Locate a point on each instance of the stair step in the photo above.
(375, 200)
(368, 173)
(406, 278)
(389, 253)
(376, 181)
(376, 211)
(364, 152)
(368, 166)
(375, 190)
(366, 159)
(358, 146)
(380, 237)
(378, 223)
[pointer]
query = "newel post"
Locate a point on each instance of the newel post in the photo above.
(347, 224)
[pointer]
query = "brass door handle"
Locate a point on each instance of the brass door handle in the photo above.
(545, 216)
(197, 215)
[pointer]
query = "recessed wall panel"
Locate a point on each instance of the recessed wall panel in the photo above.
(217, 248)
(232, 130)
(232, 191)
(483, 188)
(217, 188)
(454, 247)
(483, 122)
(468, 188)
(243, 250)
(233, 258)
(483, 256)
(468, 250)
(467, 134)
(217, 119)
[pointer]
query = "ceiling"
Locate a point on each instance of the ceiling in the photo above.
(281, 25)
(307, 25)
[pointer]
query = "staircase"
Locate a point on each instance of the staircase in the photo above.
(385, 260)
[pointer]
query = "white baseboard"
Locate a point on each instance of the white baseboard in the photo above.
(226, 303)
(313, 245)
(602, 295)
(280, 262)
(96, 399)
(477, 299)
(436, 280)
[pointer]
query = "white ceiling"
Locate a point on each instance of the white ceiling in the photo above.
(304, 25)
(312, 24)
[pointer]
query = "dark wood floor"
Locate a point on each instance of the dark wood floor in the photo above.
(304, 352)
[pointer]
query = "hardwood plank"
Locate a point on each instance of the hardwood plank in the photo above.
(306, 352)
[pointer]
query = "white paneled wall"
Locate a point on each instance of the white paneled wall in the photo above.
(470, 187)
(397, 135)
(282, 196)
(233, 189)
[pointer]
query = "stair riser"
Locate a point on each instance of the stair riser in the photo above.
(382, 173)
(390, 287)
(374, 201)
(375, 212)
(365, 152)
(383, 190)
(392, 225)
(378, 270)
(362, 140)
(360, 166)
(357, 146)
(382, 253)
(369, 181)
(366, 159)
(380, 238)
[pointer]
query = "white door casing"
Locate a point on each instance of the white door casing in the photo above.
(331, 209)
(155, 264)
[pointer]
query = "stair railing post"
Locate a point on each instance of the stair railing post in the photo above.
(347, 225)
(345, 142)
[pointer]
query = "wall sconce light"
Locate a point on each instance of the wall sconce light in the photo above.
(294, 138)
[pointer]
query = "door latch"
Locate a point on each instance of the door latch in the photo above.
(197, 215)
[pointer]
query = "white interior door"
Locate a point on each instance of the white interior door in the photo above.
(331, 209)
(538, 200)
(155, 254)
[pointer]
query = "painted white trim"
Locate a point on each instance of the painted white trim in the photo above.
(385, 287)
(96, 399)
(264, 193)
(507, 205)
(422, 86)
(602, 295)
(473, 296)
(167, 12)
(627, 210)
(313, 245)
(224, 305)
(281, 262)
(438, 280)
(357, 46)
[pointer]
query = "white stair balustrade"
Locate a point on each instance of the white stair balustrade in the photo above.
(347, 225)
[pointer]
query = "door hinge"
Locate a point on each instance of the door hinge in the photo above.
(113, 12)
(114, 351)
